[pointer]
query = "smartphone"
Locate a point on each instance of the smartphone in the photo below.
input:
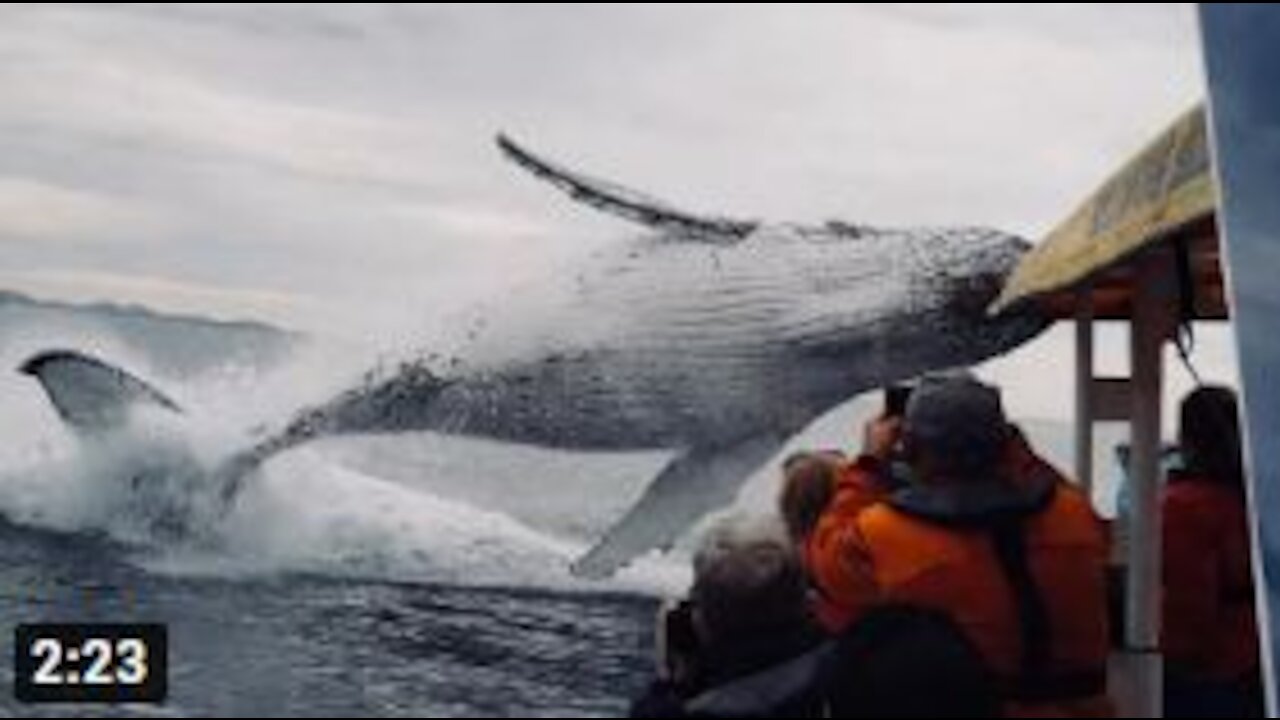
(895, 400)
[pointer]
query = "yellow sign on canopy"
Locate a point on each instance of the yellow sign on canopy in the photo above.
(1166, 188)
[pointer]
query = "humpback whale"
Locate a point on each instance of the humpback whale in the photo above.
(712, 337)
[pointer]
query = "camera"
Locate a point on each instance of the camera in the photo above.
(677, 642)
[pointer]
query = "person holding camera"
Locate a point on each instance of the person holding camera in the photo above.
(985, 532)
(743, 644)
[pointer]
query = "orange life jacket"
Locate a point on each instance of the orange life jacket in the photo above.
(1042, 630)
(858, 486)
(1208, 581)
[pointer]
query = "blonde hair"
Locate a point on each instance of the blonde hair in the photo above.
(808, 484)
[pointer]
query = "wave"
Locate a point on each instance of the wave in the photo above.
(146, 488)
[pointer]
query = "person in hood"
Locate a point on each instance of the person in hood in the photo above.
(985, 532)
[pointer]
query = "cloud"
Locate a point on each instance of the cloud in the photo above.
(153, 110)
(35, 211)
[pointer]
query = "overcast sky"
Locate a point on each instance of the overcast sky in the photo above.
(331, 167)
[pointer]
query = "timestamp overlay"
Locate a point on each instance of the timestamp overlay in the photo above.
(95, 663)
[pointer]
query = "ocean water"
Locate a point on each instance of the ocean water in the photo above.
(407, 576)
(326, 592)
(292, 644)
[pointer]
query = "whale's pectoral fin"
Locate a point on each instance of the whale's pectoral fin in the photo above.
(693, 484)
(91, 395)
(623, 202)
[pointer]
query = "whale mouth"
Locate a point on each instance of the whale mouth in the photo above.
(1021, 324)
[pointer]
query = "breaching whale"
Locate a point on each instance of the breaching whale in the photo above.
(715, 338)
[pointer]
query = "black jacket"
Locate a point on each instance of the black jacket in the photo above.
(774, 675)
